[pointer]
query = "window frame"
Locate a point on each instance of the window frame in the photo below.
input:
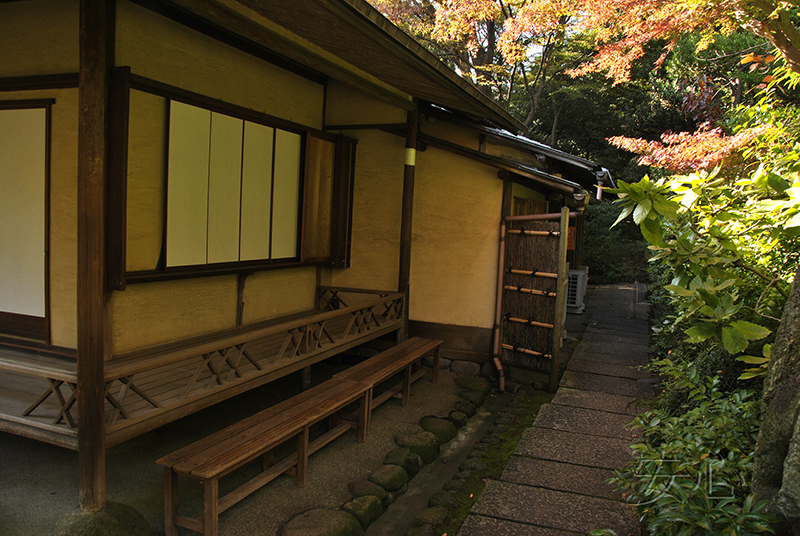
(17, 324)
(118, 275)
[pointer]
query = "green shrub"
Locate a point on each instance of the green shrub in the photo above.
(692, 471)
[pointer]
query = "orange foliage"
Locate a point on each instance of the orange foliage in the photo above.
(686, 152)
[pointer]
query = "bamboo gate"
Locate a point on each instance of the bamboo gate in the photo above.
(531, 292)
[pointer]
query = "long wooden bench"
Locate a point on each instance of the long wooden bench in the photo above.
(378, 369)
(217, 455)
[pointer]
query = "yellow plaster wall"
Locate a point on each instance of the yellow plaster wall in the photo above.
(63, 210)
(377, 209)
(146, 165)
(279, 292)
(152, 313)
(39, 37)
(163, 50)
(348, 106)
(457, 207)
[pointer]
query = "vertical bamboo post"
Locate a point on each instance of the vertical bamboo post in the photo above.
(404, 276)
(96, 59)
(561, 300)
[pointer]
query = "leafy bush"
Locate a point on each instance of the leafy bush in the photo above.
(692, 471)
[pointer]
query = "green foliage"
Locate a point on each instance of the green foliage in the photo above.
(617, 255)
(692, 470)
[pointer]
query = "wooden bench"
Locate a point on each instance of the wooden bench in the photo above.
(377, 369)
(217, 455)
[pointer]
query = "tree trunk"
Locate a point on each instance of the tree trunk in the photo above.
(776, 461)
(785, 361)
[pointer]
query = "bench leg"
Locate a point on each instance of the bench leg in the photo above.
(407, 384)
(302, 457)
(363, 415)
(435, 365)
(268, 459)
(170, 501)
(211, 507)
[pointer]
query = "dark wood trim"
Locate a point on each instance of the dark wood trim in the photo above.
(33, 327)
(464, 343)
(39, 347)
(219, 33)
(208, 270)
(412, 130)
(48, 81)
(117, 194)
(97, 22)
(342, 208)
(47, 219)
(161, 89)
(26, 104)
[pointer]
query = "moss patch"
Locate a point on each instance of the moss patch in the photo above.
(495, 457)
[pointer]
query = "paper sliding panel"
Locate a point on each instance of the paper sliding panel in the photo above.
(187, 191)
(224, 182)
(286, 194)
(22, 211)
(256, 191)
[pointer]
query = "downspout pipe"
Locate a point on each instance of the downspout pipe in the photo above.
(498, 311)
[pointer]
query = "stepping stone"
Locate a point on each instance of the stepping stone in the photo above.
(626, 405)
(560, 477)
(555, 509)
(606, 384)
(579, 449)
(584, 421)
(476, 525)
(604, 368)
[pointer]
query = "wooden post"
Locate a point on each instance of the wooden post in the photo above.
(96, 58)
(561, 300)
(403, 280)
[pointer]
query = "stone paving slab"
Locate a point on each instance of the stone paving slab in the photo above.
(560, 477)
(584, 421)
(626, 405)
(606, 384)
(638, 333)
(476, 525)
(605, 368)
(579, 449)
(554, 509)
(633, 355)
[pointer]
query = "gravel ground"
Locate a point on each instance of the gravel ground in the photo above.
(40, 481)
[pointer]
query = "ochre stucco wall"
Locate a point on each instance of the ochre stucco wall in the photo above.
(457, 207)
(163, 50)
(39, 37)
(377, 208)
(146, 314)
(348, 106)
(42, 38)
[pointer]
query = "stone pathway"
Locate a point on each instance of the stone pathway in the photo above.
(554, 483)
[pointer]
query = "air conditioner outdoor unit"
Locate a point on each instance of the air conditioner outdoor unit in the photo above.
(576, 289)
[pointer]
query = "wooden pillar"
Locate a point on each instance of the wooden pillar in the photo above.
(403, 284)
(96, 59)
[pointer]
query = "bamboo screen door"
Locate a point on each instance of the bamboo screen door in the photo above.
(532, 278)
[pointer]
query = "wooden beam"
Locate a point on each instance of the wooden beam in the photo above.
(403, 280)
(96, 58)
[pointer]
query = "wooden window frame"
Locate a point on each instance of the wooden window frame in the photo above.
(21, 325)
(118, 276)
